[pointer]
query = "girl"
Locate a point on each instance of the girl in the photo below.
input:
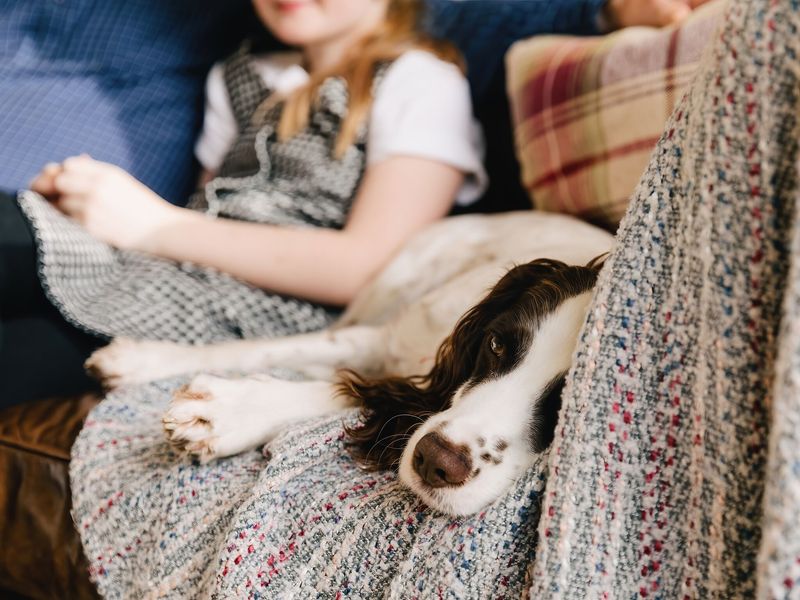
(314, 185)
(321, 163)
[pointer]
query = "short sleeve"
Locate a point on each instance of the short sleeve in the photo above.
(422, 108)
(219, 124)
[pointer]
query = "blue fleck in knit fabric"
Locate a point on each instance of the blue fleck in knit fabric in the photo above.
(675, 471)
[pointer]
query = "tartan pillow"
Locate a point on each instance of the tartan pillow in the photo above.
(587, 112)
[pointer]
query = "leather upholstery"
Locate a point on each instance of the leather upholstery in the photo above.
(40, 552)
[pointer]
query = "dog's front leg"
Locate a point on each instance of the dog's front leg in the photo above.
(214, 417)
(316, 355)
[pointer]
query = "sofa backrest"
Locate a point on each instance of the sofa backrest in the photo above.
(484, 30)
(119, 79)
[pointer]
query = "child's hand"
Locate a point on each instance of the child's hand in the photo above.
(654, 13)
(44, 182)
(111, 204)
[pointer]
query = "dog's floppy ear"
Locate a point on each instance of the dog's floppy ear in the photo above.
(394, 407)
(598, 262)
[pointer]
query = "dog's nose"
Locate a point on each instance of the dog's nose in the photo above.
(439, 462)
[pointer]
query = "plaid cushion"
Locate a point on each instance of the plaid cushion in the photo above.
(587, 112)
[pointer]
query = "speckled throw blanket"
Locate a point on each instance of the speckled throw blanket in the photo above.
(675, 472)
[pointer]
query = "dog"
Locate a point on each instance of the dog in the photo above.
(460, 405)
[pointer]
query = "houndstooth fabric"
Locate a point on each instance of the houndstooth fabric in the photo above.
(676, 465)
(284, 183)
(296, 183)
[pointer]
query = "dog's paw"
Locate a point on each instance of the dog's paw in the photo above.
(126, 361)
(214, 417)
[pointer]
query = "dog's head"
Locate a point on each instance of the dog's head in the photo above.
(461, 435)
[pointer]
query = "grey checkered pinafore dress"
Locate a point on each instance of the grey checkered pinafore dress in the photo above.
(297, 182)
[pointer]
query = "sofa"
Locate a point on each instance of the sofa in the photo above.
(552, 141)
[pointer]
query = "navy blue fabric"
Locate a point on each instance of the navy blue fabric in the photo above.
(122, 80)
(483, 30)
(40, 353)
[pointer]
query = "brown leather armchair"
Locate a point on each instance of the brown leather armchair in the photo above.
(40, 552)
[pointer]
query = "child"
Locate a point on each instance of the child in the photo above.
(319, 165)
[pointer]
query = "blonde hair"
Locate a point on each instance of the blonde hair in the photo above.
(398, 33)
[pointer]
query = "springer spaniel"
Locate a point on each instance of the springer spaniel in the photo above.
(459, 434)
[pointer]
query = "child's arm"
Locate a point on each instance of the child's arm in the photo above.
(397, 197)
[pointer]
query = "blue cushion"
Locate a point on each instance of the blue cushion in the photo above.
(121, 80)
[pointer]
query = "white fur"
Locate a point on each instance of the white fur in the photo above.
(214, 417)
(393, 327)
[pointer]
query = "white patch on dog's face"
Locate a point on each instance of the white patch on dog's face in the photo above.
(491, 419)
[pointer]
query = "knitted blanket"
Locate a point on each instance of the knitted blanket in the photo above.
(675, 472)
(305, 522)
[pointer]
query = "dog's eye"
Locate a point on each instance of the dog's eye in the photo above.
(496, 346)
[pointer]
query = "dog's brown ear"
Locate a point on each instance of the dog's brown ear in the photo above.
(598, 262)
(394, 407)
(391, 409)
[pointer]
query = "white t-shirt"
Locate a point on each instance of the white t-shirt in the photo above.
(422, 108)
